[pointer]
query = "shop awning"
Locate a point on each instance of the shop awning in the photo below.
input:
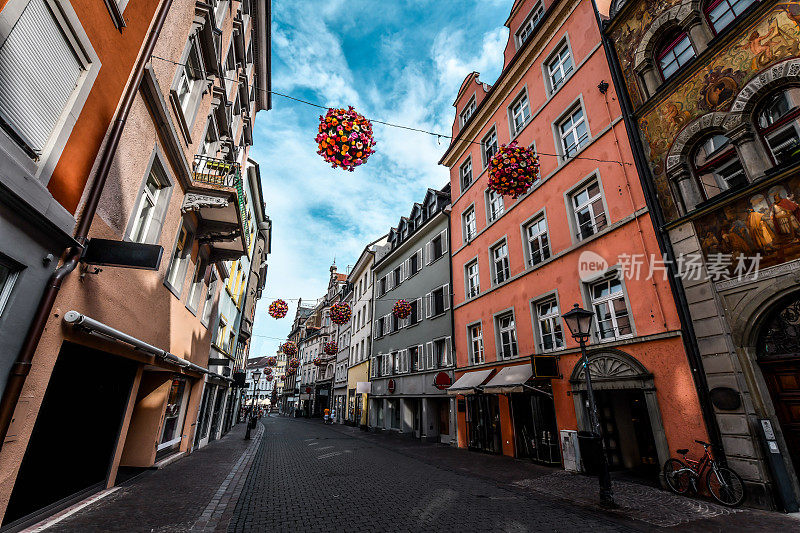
(509, 379)
(467, 383)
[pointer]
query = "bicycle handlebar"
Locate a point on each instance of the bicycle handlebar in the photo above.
(705, 444)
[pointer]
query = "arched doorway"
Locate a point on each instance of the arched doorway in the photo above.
(778, 351)
(630, 419)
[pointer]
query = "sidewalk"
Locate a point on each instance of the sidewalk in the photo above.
(191, 494)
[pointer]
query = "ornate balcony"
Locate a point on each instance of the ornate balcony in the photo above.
(217, 198)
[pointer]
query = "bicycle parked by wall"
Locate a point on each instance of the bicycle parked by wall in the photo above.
(724, 485)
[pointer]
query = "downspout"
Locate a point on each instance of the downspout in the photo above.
(646, 178)
(22, 365)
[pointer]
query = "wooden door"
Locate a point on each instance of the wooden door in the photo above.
(783, 380)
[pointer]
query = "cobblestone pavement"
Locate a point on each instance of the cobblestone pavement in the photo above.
(310, 477)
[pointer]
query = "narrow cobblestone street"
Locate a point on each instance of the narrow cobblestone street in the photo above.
(300, 475)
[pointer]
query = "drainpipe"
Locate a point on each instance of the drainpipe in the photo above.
(664, 244)
(22, 365)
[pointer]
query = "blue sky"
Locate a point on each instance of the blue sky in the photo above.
(403, 63)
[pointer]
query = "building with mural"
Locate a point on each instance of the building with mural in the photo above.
(519, 264)
(714, 89)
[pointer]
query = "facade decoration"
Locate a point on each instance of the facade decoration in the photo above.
(269, 377)
(340, 313)
(272, 361)
(513, 170)
(401, 309)
(294, 362)
(317, 361)
(289, 348)
(330, 348)
(345, 138)
(278, 309)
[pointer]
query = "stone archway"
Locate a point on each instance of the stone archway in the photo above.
(615, 370)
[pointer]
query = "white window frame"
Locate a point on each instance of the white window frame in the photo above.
(559, 62)
(479, 357)
(552, 319)
(606, 302)
(150, 229)
(8, 285)
(539, 239)
(511, 330)
(489, 146)
(519, 107)
(468, 111)
(531, 21)
(469, 224)
(472, 280)
(590, 204)
(572, 132)
(176, 286)
(496, 257)
(495, 206)
(465, 170)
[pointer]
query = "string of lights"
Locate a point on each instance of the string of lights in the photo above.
(376, 121)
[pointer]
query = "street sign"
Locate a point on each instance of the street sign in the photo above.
(107, 252)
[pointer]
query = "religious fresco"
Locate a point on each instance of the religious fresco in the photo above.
(766, 222)
(714, 87)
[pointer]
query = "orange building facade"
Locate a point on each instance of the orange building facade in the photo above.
(581, 235)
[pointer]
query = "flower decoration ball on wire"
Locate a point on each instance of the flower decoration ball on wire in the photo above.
(272, 361)
(289, 348)
(294, 362)
(330, 348)
(290, 371)
(345, 138)
(402, 309)
(269, 377)
(317, 361)
(340, 313)
(278, 309)
(513, 169)
(267, 371)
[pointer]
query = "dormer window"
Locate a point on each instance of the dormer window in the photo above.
(717, 166)
(674, 54)
(468, 111)
(778, 125)
(720, 13)
(526, 30)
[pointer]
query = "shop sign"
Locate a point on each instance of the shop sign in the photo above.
(442, 380)
(391, 386)
(545, 366)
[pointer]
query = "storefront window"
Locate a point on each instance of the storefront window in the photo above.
(173, 415)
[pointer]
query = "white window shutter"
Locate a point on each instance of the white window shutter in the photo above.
(428, 252)
(419, 259)
(444, 242)
(404, 361)
(446, 296)
(449, 351)
(419, 309)
(429, 352)
(428, 305)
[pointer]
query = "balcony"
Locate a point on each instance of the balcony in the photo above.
(216, 197)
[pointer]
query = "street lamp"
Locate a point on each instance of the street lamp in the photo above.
(256, 376)
(579, 322)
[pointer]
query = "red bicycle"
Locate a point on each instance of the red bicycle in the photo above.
(723, 484)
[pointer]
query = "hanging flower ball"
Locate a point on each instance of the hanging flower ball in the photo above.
(272, 361)
(317, 361)
(513, 169)
(267, 371)
(330, 348)
(294, 362)
(269, 378)
(402, 309)
(278, 309)
(289, 348)
(291, 371)
(340, 313)
(345, 138)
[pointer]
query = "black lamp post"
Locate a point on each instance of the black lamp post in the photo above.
(579, 322)
(256, 376)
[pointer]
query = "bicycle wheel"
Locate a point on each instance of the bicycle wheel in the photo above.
(725, 486)
(676, 474)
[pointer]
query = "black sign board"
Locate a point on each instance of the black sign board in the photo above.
(108, 252)
(239, 379)
(545, 366)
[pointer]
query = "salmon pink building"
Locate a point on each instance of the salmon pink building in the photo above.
(581, 235)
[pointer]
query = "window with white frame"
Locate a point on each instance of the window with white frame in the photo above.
(190, 79)
(176, 272)
(489, 146)
(198, 283)
(146, 223)
(8, 276)
(573, 132)
(468, 224)
(472, 276)
(526, 30)
(476, 344)
(441, 353)
(538, 241)
(414, 263)
(208, 302)
(610, 309)
(507, 335)
(495, 205)
(520, 112)
(559, 66)
(676, 51)
(437, 247)
(548, 323)
(416, 358)
(720, 13)
(438, 301)
(500, 264)
(590, 214)
(43, 65)
(416, 312)
(465, 173)
(468, 111)
(221, 332)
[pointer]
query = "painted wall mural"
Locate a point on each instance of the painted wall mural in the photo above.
(766, 222)
(714, 85)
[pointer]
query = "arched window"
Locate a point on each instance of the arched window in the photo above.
(777, 122)
(676, 51)
(720, 13)
(716, 166)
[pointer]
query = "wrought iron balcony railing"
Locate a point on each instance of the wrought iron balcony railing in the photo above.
(213, 171)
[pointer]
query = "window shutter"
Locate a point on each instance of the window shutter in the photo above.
(406, 271)
(419, 259)
(429, 351)
(404, 361)
(377, 329)
(444, 243)
(41, 71)
(428, 252)
(428, 309)
(448, 346)
(446, 296)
